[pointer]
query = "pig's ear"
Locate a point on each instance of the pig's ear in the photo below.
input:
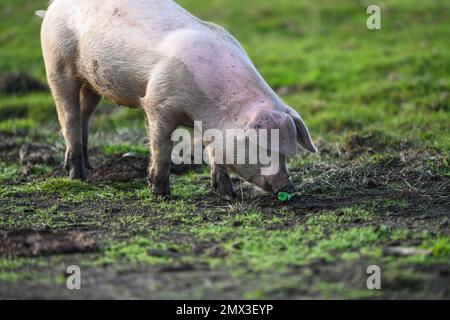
(271, 119)
(303, 135)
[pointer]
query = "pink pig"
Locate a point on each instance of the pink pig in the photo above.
(154, 55)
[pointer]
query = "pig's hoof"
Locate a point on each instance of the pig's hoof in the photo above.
(87, 164)
(225, 192)
(161, 192)
(75, 174)
(76, 169)
(228, 197)
(163, 197)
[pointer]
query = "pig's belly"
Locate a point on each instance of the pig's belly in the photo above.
(119, 78)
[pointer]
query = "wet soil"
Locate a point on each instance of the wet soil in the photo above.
(427, 199)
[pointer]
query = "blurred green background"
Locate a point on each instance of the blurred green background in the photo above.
(339, 75)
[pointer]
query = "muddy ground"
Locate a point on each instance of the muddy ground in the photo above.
(347, 215)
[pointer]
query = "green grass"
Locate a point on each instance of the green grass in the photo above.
(9, 171)
(125, 148)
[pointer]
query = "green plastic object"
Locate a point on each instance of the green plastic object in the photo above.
(285, 196)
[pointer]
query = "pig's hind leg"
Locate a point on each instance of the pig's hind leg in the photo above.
(221, 182)
(65, 87)
(88, 102)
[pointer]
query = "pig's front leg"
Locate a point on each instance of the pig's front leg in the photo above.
(221, 182)
(159, 170)
(161, 150)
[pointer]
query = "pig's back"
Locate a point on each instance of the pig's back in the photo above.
(152, 18)
(113, 43)
(119, 42)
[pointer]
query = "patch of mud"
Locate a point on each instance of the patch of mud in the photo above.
(133, 283)
(9, 150)
(370, 143)
(14, 112)
(45, 242)
(128, 168)
(34, 153)
(11, 83)
(185, 168)
(120, 169)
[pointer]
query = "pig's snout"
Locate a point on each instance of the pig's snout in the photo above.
(274, 184)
